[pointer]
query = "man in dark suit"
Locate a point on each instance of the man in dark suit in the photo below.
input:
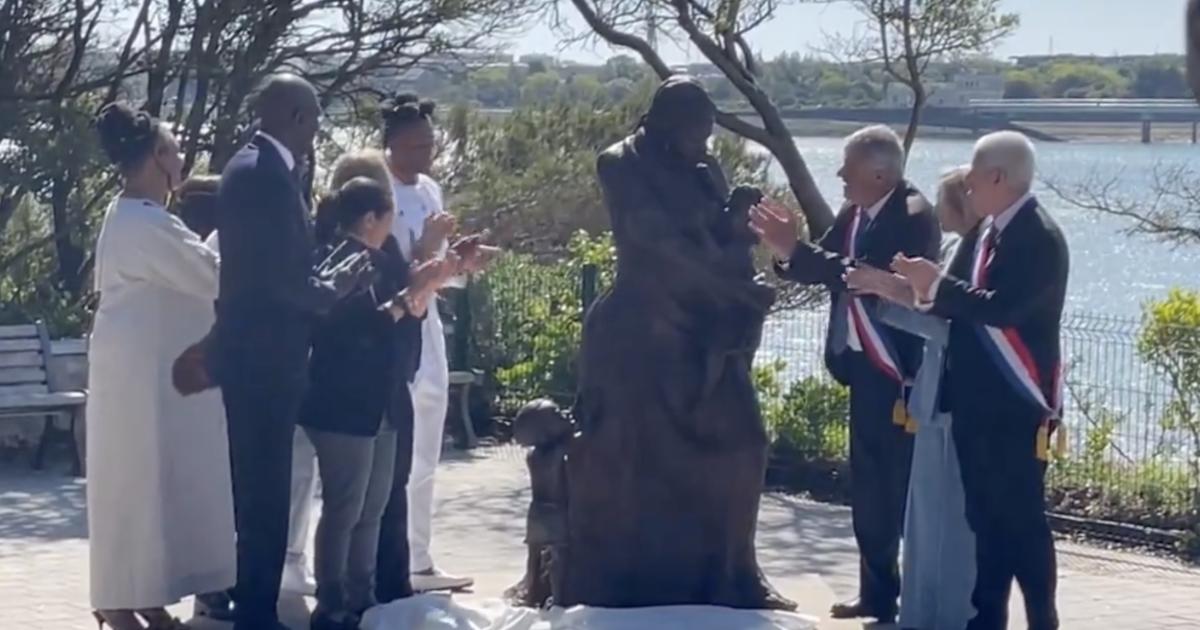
(270, 294)
(884, 215)
(1003, 294)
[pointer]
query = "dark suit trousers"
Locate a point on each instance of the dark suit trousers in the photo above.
(393, 580)
(880, 461)
(262, 420)
(1004, 482)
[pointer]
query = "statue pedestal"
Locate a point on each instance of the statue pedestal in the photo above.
(441, 612)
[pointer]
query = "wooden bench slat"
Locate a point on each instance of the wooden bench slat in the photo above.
(20, 345)
(21, 359)
(27, 388)
(19, 332)
(17, 404)
(21, 375)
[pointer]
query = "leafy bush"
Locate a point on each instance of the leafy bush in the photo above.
(808, 418)
(527, 320)
(1170, 341)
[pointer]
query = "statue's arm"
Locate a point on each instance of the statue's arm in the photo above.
(636, 213)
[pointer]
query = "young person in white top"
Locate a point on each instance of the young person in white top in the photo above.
(423, 229)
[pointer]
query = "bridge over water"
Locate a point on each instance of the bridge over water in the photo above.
(986, 115)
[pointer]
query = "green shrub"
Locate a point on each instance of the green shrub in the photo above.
(808, 418)
(527, 320)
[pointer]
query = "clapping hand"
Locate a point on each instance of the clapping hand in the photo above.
(776, 226)
(423, 282)
(473, 252)
(921, 274)
(437, 228)
(864, 279)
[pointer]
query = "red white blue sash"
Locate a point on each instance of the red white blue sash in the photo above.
(1011, 354)
(876, 344)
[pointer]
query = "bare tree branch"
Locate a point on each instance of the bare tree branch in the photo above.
(720, 36)
(906, 37)
(1170, 213)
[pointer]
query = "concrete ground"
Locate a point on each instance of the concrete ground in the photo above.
(806, 548)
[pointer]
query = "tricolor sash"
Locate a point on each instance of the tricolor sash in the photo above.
(1012, 356)
(876, 344)
(1016, 364)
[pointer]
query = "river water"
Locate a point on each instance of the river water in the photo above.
(1112, 273)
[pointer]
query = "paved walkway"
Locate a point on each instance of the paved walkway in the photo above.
(806, 548)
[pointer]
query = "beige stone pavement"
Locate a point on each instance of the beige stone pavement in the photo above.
(805, 547)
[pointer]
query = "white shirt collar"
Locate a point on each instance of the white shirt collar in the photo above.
(876, 207)
(288, 158)
(1004, 218)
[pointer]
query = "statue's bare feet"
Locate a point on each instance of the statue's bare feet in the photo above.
(518, 594)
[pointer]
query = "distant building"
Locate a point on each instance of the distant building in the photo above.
(960, 92)
(1033, 61)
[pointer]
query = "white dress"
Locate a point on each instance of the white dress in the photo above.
(160, 500)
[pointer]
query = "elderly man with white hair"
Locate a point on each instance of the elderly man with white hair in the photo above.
(883, 216)
(1003, 294)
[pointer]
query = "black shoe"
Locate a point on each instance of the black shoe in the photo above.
(216, 606)
(857, 609)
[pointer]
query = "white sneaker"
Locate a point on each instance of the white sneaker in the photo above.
(436, 580)
(298, 580)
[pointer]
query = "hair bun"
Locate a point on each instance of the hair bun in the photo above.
(407, 107)
(126, 135)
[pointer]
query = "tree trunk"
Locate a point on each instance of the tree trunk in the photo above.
(69, 254)
(818, 215)
(914, 119)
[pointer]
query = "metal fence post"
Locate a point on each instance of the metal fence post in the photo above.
(587, 286)
(462, 330)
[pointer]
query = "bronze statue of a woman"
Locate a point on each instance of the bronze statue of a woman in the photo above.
(665, 474)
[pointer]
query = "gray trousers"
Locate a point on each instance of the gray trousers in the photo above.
(356, 480)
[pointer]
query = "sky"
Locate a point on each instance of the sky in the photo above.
(1100, 27)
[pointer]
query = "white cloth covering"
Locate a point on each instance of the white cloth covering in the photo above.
(440, 612)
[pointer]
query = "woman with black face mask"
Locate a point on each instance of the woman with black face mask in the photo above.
(160, 507)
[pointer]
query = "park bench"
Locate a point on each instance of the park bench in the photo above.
(28, 388)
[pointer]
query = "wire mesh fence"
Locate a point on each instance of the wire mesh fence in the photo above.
(1132, 447)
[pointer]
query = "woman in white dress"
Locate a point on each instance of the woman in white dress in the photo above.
(160, 506)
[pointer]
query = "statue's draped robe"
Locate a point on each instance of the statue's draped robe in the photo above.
(665, 477)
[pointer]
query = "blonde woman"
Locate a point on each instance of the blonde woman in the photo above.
(939, 548)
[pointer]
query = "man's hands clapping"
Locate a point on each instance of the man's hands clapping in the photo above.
(921, 275)
(867, 280)
(776, 225)
(910, 284)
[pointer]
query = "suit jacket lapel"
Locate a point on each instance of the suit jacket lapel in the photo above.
(1008, 240)
(896, 206)
(267, 147)
(964, 258)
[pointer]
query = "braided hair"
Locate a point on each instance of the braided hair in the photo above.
(403, 110)
(127, 136)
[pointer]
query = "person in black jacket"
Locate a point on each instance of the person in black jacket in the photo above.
(360, 351)
(884, 215)
(1003, 294)
(271, 292)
